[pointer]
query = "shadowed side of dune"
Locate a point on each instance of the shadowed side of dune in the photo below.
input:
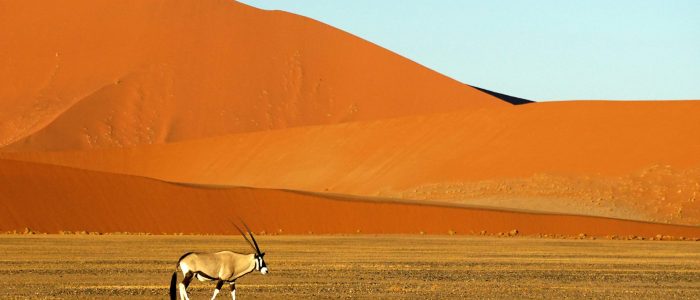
(507, 98)
(50, 198)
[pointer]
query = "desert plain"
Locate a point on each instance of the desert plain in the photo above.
(147, 127)
(356, 266)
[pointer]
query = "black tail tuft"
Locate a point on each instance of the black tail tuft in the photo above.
(173, 283)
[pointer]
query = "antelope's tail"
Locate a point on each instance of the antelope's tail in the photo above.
(173, 283)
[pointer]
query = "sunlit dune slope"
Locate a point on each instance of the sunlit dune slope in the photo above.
(50, 198)
(91, 74)
(633, 160)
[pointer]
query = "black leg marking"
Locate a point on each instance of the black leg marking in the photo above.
(188, 278)
(219, 284)
(233, 286)
(202, 274)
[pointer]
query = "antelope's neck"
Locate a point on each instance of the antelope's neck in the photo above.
(250, 267)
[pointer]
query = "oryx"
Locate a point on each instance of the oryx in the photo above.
(224, 266)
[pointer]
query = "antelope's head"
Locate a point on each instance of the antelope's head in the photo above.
(260, 263)
(259, 256)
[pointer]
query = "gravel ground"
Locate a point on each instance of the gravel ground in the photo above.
(139, 267)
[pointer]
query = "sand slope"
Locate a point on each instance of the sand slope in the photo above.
(49, 198)
(634, 160)
(91, 74)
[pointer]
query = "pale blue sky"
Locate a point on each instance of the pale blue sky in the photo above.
(540, 50)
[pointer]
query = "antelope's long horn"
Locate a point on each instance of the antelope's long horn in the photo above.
(245, 237)
(252, 237)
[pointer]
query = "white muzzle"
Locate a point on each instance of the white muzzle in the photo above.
(263, 270)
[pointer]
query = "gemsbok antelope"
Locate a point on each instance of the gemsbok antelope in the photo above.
(224, 267)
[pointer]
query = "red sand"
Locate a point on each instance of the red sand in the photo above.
(92, 74)
(49, 198)
(599, 146)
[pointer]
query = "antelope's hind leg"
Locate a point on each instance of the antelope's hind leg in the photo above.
(233, 289)
(218, 288)
(184, 284)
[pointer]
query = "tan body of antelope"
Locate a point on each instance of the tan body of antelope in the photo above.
(222, 267)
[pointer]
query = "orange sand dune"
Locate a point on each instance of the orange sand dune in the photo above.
(635, 160)
(91, 74)
(50, 198)
(272, 100)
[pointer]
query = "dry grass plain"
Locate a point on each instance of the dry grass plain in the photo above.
(139, 267)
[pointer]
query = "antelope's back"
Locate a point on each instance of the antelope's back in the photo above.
(207, 263)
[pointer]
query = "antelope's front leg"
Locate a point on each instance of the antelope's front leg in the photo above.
(184, 284)
(218, 288)
(233, 290)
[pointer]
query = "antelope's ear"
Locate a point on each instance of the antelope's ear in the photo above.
(262, 254)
